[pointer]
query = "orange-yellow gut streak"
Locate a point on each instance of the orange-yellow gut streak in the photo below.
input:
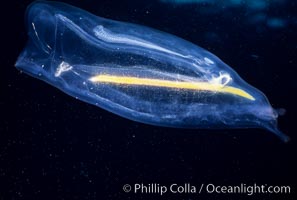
(204, 86)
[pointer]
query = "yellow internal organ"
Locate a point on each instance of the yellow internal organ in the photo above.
(205, 86)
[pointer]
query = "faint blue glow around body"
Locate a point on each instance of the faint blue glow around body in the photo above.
(255, 4)
(258, 12)
(276, 23)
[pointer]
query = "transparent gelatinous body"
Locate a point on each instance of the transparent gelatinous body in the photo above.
(138, 72)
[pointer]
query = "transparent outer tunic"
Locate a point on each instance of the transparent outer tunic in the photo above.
(139, 73)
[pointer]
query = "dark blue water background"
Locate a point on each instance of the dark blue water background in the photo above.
(53, 146)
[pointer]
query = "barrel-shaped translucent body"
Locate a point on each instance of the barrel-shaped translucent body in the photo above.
(137, 72)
